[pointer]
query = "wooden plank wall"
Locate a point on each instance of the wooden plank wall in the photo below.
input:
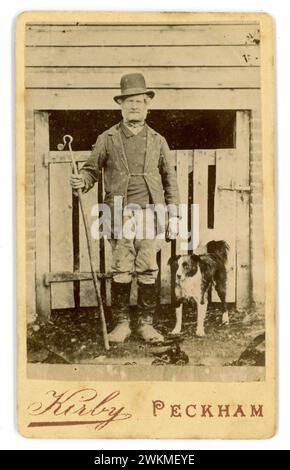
(87, 290)
(190, 66)
(60, 229)
(226, 223)
(42, 242)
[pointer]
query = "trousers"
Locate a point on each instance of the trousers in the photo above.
(136, 250)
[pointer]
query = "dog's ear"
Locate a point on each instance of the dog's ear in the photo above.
(173, 259)
(195, 258)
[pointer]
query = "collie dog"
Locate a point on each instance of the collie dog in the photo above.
(195, 275)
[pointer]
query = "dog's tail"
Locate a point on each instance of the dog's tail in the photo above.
(219, 249)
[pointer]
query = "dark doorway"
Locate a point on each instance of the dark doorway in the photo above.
(183, 129)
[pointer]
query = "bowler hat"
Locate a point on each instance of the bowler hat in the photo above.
(133, 84)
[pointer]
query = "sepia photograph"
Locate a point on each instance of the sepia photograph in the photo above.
(144, 206)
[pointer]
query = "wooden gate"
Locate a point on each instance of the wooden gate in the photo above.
(217, 180)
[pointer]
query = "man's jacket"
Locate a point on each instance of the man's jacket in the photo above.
(108, 153)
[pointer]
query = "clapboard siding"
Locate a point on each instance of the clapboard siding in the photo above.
(63, 35)
(141, 56)
(199, 66)
(158, 77)
(176, 99)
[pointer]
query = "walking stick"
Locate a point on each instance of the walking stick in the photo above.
(67, 139)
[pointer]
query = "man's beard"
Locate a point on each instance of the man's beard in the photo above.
(134, 121)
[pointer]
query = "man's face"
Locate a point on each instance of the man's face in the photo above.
(134, 108)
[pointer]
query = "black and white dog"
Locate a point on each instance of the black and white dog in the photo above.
(195, 274)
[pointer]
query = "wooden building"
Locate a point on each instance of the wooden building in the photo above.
(207, 105)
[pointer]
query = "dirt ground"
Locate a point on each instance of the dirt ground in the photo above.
(74, 338)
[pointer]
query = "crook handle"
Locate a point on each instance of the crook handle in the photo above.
(67, 139)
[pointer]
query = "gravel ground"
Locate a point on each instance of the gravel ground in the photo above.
(70, 337)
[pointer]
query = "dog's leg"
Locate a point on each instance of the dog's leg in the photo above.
(204, 288)
(201, 313)
(220, 287)
(204, 285)
(225, 318)
(177, 329)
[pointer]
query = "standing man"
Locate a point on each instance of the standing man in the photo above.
(138, 169)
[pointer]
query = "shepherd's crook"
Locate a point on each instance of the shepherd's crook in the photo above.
(67, 139)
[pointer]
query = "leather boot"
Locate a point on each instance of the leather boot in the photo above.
(147, 299)
(120, 294)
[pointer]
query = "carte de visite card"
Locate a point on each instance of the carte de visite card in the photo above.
(145, 225)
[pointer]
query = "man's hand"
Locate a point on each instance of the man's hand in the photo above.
(77, 182)
(172, 229)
